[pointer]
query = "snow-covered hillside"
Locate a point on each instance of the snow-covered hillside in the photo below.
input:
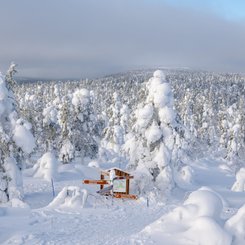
(179, 133)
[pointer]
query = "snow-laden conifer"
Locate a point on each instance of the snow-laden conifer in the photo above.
(16, 140)
(153, 147)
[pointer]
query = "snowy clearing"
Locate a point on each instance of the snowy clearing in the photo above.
(107, 221)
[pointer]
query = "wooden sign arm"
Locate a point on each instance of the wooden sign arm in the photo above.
(96, 182)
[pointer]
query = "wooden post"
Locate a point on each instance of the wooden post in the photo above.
(102, 177)
(52, 183)
(127, 186)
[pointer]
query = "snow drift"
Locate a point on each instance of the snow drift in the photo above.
(197, 221)
(70, 197)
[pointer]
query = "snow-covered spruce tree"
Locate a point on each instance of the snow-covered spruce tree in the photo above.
(125, 118)
(84, 128)
(31, 107)
(9, 77)
(188, 118)
(117, 124)
(223, 128)
(15, 140)
(234, 143)
(46, 166)
(50, 126)
(207, 132)
(66, 148)
(155, 145)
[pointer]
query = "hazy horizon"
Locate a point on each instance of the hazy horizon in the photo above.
(78, 39)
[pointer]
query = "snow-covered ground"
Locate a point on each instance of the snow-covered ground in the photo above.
(196, 218)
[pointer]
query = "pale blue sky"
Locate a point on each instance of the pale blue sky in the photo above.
(228, 9)
(80, 38)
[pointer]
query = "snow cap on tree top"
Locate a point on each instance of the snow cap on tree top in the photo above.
(115, 96)
(80, 97)
(159, 74)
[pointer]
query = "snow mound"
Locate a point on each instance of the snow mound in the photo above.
(207, 203)
(236, 226)
(70, 197)
(205, 230)
(224, 202)
(239, 184)
(197, 221)
(46, 167)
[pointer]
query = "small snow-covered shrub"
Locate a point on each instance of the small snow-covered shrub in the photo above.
(142, 181)
(67, 151)
(94, 164)
(17, 203)
(46, 167)
(164, 180)
(185, 177)
(70, 197)
(239, 185)
(236, 226)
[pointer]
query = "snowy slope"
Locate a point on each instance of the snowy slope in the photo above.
(107, 221)
(101, 222)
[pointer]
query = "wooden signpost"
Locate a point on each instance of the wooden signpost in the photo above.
(118, 182)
